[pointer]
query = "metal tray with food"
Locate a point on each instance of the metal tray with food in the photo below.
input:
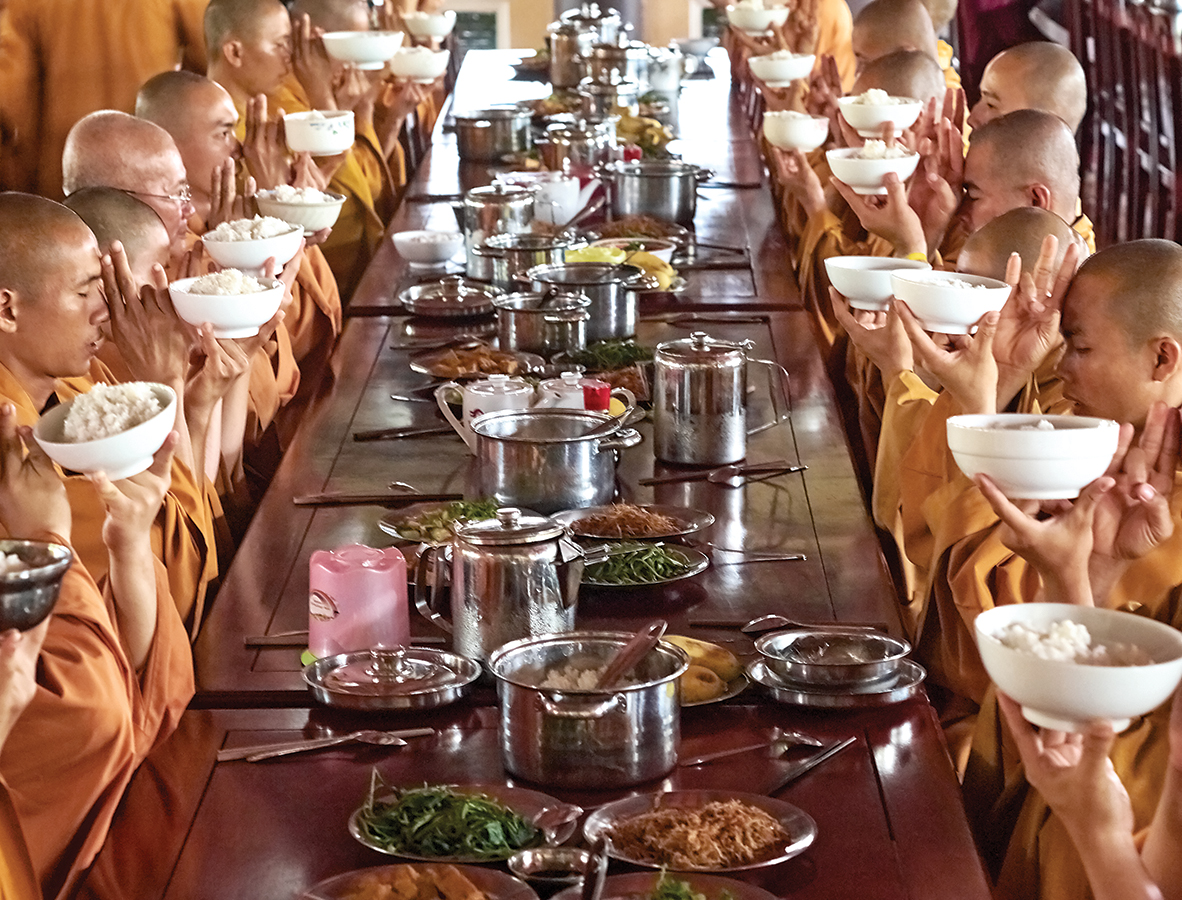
(405, 678)
(663, 886)
(460, 823)
(904, 685)
(473, 362)
(451, 297)
(679, 830)
(430, 523)
(634, 522)
(406, 881)
(639, 564)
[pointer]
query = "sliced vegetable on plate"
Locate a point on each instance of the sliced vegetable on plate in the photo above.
(633, 564)
(431, 523)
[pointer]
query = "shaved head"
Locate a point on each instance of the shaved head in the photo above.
(941, 11)
(165, 99)
(28, 228)
(115, 215)
(227, 20)
(114, 149)
(884, 26)
(1143, 307)
(987, 250)
(1037, 75)
(903, 73)
(334, 15)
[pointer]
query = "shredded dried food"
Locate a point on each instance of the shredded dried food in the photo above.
(719, 835)
(109, 409)
(639, 226)
(624, 520)
(407, 882)
(477, 361)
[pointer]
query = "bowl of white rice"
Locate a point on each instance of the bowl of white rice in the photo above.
(1068, 665)
(308, 208)
(756, 16)
(419, 64)
(865, 281)
(949, 302)
(113, 428)
(869, 111)
(248, 243)
(1034, 457)
(430, 25)
(791, 130)
(781, 66)
(428, 248)
(367, 50)
(319, 132)
(234, 303)
(31, 574)
(864, 168)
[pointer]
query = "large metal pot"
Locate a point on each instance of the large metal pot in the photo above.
(513, 254)
(666, 189)
(596, 740)
(602, 25)
(540, 458)
(487, 135)
(542, 323)
(494, 209)
(610, 288)
(578, 146)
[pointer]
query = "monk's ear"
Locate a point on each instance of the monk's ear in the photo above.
(1039, 196)
(1167, 358)
(234, 53)
(8, 303)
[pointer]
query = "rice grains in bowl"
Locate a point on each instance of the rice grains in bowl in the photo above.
(249, 243)
(108, 409)
(234, 303)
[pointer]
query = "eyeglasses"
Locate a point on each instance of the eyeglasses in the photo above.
(181, 197)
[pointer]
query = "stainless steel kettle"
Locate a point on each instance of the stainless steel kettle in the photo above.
(512, 577)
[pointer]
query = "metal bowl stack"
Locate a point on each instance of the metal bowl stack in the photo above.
(832, 658)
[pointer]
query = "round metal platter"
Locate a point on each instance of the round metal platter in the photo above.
(688, 521)
(800, 827)
(696, 560)
(494, 884)
(434, 362)
(904, 685)
(734, 687)
(642, 884)
(355, 680)
(526, 803)
(431, 300)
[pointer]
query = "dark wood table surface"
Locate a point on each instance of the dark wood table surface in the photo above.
(890, 819)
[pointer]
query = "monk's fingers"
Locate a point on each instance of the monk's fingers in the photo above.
(1017, 519)
(35, 455)
(1063, 278)
(842, 312)
(982, 342)
(925, 348)
(1027, 739)
(1167, 460)
(1045, 269)
(10, 444)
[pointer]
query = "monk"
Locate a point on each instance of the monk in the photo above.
(1037, 75)
(822, 27)
(62, 59)
(884, 26)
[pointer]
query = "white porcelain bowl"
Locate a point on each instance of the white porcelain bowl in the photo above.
(949, 302)
(231, 315)
(865, 281)
(658, 247)
(793, 131)
(1029, 461)
(430, 25)
(756, 21)
(120, 455)
(868, 118)
(428, 248)
(250, 255)
(420, 64)
(865, 176)
(1067, 695)
(319, 132)
(775, 68)
(364, 49)
(311, 217)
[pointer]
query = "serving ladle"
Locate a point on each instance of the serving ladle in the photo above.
(365, 736)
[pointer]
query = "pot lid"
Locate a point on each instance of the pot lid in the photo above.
(584, 274)
(450, 296)
(497, 193)
(542, 303)
(699, 347)
(511, 526)
(499, 386)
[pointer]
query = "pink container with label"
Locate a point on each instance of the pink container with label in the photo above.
(357, 600)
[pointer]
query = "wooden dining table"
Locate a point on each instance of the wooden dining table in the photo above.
(890, 821)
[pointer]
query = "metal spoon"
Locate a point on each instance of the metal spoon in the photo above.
(366, 736)
(725, 475)
(781, 741)
(628, 656)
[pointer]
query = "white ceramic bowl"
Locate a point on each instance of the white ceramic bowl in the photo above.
(1030, 462)
(868, 118)
(231, 315)
(120, 455)
(865, 281)
(756, 21)
(364, 49)
(430, 25)
(421, 64)
(1066, 695)
(311, 217)
(775, 69)
(319, 132)
(949, 302)
(250, 255)
(658, 247)
(794, 131)
(865, 175)
(428, 248)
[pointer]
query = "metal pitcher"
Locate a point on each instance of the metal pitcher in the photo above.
(494, 209)
(699, 400)
(512, 577)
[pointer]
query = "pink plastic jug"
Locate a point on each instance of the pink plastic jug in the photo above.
(356, 600)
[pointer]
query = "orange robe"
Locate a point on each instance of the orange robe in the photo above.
(183, 534)
(944, 57)
(17, 881)
(63, 59)
(92, 721)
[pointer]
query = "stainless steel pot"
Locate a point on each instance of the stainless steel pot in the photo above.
(610, 288)
(540, 458)
(487, 135)
(597, 740)
(513, 254)
(603, 25)
(494, 209)
(512, 577)
(607, 63)
(567, 43)
(666, 189)
(578, 146)
(542, 323)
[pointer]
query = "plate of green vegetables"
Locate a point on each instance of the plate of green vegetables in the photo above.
(431, 523)
(459, 823)
(641, 564)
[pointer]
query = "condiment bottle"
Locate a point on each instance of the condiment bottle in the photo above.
(357, 600)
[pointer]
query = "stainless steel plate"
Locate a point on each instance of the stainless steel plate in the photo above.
(696, 562)
(734, 687)
(356, 680)
(905, 684)
(642, 884)
(495, 885)
(460, 298)
(801, 828)
(688, 521)
(528, 804)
